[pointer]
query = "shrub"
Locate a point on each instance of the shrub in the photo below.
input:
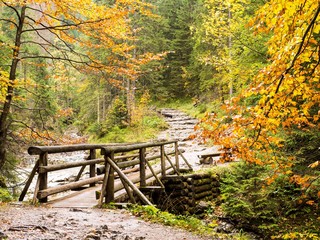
(5, 195)
(249, 201)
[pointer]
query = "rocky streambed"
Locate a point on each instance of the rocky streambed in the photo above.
(181, 127)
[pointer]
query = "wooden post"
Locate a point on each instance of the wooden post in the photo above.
(92, 166)
(176, 156)
(126, 187)
(79, 173)
(36, 190)
(154, 174)
(185, 160)
(29, 181)
(104, 185)
(163, 161)
(43, 177)
(110, 184)
(172, 165)
(142, 155)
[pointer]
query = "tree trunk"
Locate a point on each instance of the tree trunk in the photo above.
(4, 117)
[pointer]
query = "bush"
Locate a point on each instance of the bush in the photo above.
(5, 195)
(249, 201)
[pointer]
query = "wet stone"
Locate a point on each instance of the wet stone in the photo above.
(3, 235)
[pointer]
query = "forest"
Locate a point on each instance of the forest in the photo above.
(248, 70)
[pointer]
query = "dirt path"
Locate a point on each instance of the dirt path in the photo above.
(25, 222)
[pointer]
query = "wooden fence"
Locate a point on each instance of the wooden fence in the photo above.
(116, 158)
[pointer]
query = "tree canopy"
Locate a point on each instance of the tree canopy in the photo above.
(75, 33)
(283, 98)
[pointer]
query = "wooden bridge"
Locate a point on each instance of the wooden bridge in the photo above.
(117, 180)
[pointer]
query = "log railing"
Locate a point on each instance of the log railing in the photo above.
(116, 158)
(107, 190)
(42, 168)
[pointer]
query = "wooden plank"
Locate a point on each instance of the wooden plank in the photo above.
(35, 193)
(154, 174)
(176, 155)
(110, 185)
(163, 161)
(205, 155)
(51, 168)
(185, 160)
(79, 173)
(126, 187)
(104, 185)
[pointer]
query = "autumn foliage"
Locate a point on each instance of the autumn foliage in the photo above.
(283, 97)
(94, 39)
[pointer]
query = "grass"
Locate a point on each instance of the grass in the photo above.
(146, 129)
(188, 106)
(189, 223)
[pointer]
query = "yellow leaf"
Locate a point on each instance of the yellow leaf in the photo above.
(315, 164)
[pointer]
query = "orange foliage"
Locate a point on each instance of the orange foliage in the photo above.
(285, 93)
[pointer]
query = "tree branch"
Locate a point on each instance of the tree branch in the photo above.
(309, 28)
(66, 26)
(9, 21)
(14, 9)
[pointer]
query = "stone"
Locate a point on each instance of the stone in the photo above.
(3, 235)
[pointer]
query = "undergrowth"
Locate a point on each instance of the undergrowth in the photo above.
(271, 210)
(5, 195)
(145, 126)
(187, 222)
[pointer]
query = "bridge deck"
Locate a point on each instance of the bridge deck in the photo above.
(85, 198)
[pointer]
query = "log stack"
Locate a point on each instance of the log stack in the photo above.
(185, 192)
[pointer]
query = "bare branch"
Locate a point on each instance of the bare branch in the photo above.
(305, 35)
(48, 15)
(9, 21)
(35, 131)
(66, 26)
(247, 46)
(14, 9)
(29, 109)
(69, 48)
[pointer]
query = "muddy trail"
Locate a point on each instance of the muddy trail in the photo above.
(25, 222)
(22, 221)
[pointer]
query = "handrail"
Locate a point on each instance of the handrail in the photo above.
(37, 150)
(127, 148)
